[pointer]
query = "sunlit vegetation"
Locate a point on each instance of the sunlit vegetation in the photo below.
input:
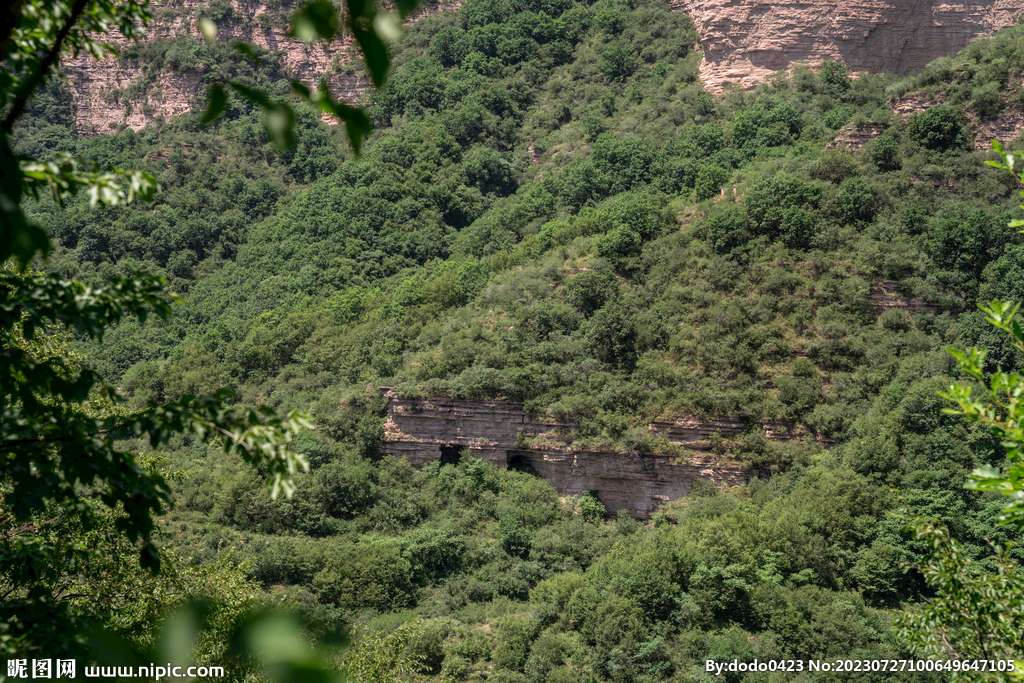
(668, 253)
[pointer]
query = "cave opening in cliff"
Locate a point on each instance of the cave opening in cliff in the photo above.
(450, 455)
(520, 463)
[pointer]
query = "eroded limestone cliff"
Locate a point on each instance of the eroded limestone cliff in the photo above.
(745, 41)
(500, 432)
(103, 92)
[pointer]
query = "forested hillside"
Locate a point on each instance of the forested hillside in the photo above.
(553, 210)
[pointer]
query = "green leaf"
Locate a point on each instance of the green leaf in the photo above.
(375, 52)
(247, 50)
(280, 125)
(986, 472)
(361, 15)
(318, 19)
(208, 29)
(388, 26)
(111, 648)
(18, 238)
(357, 123)
(179, 633)
(143, 185)
(251, 94)
(217, 101)
(959, 355)
(303, 91)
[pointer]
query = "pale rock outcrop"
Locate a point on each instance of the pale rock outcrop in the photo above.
(911, 104)
(1007, 127)
(93, 83)
(886, 297)
(745, 41)
(502, 433)
(851, 137)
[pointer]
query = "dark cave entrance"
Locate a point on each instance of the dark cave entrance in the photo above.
(520, 463)
(450, 455)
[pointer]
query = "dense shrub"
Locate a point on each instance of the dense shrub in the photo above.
(855, 201)
(709, 181)
(836, 76)
(727, 229)
(886, 154)
(588, 291)
(835, 167)
(940, 128)
(370, 575)
(777, 209)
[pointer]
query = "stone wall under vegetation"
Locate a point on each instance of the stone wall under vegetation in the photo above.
(503, 434)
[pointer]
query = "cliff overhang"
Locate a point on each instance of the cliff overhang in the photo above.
(505, 435)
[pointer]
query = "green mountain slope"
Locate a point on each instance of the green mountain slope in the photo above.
(554, 211)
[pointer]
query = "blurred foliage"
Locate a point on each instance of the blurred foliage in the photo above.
(977, 615)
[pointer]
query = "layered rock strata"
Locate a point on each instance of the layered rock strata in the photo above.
(745, 41)
(502, 433)
(1008, 127)
(851, 138)
(887, 296)
(103, 93)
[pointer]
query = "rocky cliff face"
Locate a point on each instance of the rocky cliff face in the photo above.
(99, 86)
(500, 432)
(1007, 127)
(745, 41)
(852, 138)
